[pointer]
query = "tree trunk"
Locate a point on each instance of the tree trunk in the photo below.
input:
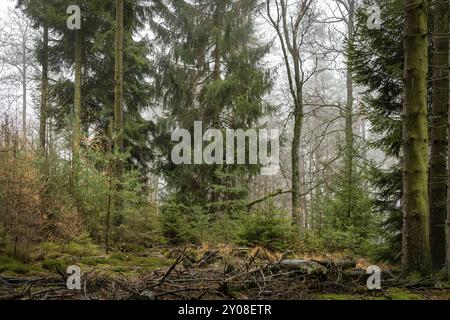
(44, 93)
(448, 174)
(76, 113)
(438, 171)
(349, 113)
(298, 126)
(24, 89)
(118, 104)
(296, 193)
(416, 249)
(118, 79)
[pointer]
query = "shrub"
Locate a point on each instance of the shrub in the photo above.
(81, 249)
(20, 255)
(268, 228)
(12, 265)
(174, 223)
(54, 265)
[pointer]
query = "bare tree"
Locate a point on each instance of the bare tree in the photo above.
(17, 56)
(291, 22)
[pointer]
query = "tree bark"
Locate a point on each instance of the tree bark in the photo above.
(288, 29)
(448, 173)
(76, 113)
(438, 171)
(349, 143)
(296, 191)
(416, 249)
(118, 107)
(24, 87)
(44, 93)
(118, 78)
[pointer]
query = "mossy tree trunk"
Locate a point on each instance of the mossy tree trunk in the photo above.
(118, 78)
(44, 92)
(416, 249)
(349, 141)
(76, 113)
(118, 105)
(438, 138)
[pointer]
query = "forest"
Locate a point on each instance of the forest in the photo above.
(224, 150)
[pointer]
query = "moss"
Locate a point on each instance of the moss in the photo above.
(50, 247)
(337, 296)
(149, 262)
(120, 269)
(20, 269)
(20, 255)
(14, 267)
(400, 294)
(119, 256)
(54, 265)
(93, 261)
(5, 260)
(132, 248)
(81, 249)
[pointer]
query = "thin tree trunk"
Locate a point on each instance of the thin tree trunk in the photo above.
(76, 114)
(24, 89)
(416, 249)
(438, 171)
(118, 104)
(296, 192)
(111, 194)
(349, 113)
(448, 174)
(118, 80)
(44, 93)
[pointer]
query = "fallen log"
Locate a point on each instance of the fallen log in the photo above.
(362, 275)
(308, 267)
(341, 264)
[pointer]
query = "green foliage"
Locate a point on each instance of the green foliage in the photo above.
(10, 264)
(401, 294)
(387, 204)
(269, 228)
(54, 265)
(377, 60)
(174, 223)
(20, 255)
(213, 73)
(338, 228)
(81, 247)
(224, 230)
(182, 224)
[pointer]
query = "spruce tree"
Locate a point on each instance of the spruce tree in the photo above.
(377, 64)
(210, 70)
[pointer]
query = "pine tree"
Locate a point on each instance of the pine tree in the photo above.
(377, 64)
(210, 71)
(97, 74)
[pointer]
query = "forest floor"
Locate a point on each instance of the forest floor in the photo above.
(223, 272)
